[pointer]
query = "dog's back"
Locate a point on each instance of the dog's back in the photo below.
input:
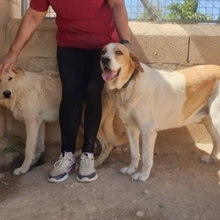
(195, 92)
(174, 98)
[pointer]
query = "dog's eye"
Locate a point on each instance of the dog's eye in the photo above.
(103, 52)
(118, 52)
(10, 78)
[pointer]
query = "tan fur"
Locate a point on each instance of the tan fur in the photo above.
(200, 81)
(34, 99)
(157, 100)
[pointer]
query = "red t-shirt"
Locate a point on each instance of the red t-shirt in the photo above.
(82, 24)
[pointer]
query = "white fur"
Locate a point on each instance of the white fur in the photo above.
(154, 101)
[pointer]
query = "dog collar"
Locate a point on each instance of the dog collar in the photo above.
(129, 80)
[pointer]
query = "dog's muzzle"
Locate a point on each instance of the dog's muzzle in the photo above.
(7, 94)
(105, 61)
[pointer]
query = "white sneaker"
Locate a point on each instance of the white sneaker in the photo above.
(87, 171)
(62, 168)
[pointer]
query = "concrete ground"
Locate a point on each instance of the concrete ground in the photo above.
(180, 187)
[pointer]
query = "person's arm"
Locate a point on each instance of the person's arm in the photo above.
(30, 22)
(121, 19)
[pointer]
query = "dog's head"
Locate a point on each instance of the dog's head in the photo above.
(9, 83)
(118, 64)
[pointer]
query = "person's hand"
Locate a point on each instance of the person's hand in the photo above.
(8, 61)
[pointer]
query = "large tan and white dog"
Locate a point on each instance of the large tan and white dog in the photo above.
(34, 98)
(149, 100)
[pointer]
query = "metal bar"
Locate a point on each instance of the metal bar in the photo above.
(153, 13)
(24, 6)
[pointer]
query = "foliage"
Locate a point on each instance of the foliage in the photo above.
(186, 11)
(17, 144)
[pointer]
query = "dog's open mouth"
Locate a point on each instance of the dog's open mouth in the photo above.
(109, 74)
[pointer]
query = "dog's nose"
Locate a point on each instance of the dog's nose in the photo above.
(105, 60)
(7, 94)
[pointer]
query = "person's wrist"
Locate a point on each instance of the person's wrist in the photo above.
(13, 52)
(124, 41)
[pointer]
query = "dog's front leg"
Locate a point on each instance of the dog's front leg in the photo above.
(32, 128)
(148, 141)
(40, 145)
(133, 137)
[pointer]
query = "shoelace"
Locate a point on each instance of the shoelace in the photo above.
(60, 162)
(85, 163)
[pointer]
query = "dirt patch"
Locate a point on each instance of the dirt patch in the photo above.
(180, 187)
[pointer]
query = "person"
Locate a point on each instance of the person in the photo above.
(83, 29)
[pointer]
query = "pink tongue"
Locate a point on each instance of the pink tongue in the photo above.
(109, 75)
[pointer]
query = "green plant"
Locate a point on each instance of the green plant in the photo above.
(186, 11)
(16, 144)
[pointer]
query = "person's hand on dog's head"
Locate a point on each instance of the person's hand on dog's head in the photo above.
(128, 46)
(7, 63)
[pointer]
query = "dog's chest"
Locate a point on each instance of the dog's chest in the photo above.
(14, 107)
(125, 103)
(18, 115)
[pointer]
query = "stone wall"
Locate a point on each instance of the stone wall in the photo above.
(9, 9)
(165, 46)
(176, 45)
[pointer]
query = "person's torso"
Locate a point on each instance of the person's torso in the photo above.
(86, 24)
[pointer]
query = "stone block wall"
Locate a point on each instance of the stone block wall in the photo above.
(165, 46)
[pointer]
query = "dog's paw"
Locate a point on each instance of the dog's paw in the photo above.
(208, 159)
(142, 177)
(128, 170)
(19, 171)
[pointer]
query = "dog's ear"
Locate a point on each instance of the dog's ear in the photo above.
(136, 62)
(18, 70)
